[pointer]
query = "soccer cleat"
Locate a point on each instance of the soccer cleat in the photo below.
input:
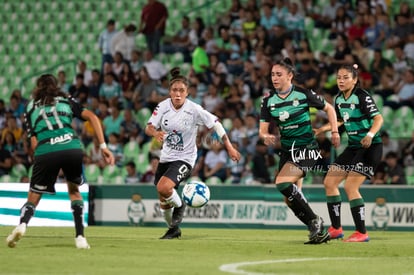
(322, 237)
(172, 233)
(357, 237)
(81, 242)
(335, 233)
(16, 235)
(178, 214)
(315, 227)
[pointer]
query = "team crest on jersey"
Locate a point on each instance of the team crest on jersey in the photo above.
(174, 141)
(295, 102)
(283, 116)
(345, 116)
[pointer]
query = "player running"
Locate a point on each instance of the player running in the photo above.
(48, 119)
(175, 122)
(288, 106)
(357, 111)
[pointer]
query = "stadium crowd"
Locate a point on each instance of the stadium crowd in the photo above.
(229, 74)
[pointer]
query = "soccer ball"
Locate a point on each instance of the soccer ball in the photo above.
(196, 194)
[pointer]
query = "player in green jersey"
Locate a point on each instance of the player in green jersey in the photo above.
(288, 106)
(357, 111)
(48, 119)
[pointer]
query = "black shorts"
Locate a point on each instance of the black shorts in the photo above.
(46, 169)
(303, 157)
(177, 171)
(361, 160)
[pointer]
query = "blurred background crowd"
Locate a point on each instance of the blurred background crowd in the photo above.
(226, 50)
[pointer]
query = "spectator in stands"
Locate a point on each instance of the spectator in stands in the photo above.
(118, 65)
(208, 36)
(261, 161)
(13, 128)
(235, 7)
(116, 147)
(280, 10)
(144, 88)
(268, 19)
(212, 100)
(403, 28)
(16, 106)
(278, 36)
(408, 152)
(103, 109)
(252, 134)
(215, 162)
(378, 65)
(236, 26)
(136, 61)
(295, 22)
(180, 42)
(112, 123)
(357, 29)
(327, 15)
(361, 52)
(6, 161)
(132, 176)
(105, 42)
(308, 76)
(79, 90)
(155, 68)
(95, 84)
(62, 82)
(404, 92)
(223, 44)
(196, 32)
(409, 48)
(110, 88)
(374, 36)
(149, 175)
(402, 62)
(238, 133)
(130, 129)
(388, 144)
(2, 114)
(200, 60)
(82, 68)
(94, 155)
(127, 82)
(341, 50)
(390, 171)
(249, 25)
(124, 42)
(341, 23)
(153, 20)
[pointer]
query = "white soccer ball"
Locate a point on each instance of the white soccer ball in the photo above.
(196, 194)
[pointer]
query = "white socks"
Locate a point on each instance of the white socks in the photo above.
(167, 213)
(174, 199)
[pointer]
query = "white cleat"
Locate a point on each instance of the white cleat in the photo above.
(16, 235)
(81, 242)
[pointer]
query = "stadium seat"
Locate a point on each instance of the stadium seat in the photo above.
(92, 173)
(110, 174)
(409, 174)
(142, 117)
(18, 171)
(213, 180)
(142, 163)
(131, 151)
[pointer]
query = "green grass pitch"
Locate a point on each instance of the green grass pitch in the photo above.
(137, 250)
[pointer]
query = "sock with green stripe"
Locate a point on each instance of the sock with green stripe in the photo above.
(77, 211)
(358, 214)
(296, 201)
(334, 209)
(27, 212)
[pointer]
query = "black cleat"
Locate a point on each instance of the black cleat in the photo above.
(315, 228)
(172, 233)
(178, 214)
(322, 237)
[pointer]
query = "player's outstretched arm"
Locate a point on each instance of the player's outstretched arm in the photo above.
(233, 153)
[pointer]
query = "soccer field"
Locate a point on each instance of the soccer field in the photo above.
(137, 250)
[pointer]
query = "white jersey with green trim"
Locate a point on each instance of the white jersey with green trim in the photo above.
(181, 128)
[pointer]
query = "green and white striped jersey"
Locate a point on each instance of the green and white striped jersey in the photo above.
(292, 115)
(52, 124)
(357, 112)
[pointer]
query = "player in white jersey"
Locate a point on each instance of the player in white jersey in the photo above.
(175, 122)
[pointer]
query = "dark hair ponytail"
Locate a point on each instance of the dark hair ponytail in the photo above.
(47, 89)
(287, 64)
(176, 76)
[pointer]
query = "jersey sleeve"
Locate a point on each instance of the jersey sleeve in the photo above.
(204, 117)
(155, 118)
(315, 100)
(367, 104)
(265, 115)
(338, 113)
(76, 107)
